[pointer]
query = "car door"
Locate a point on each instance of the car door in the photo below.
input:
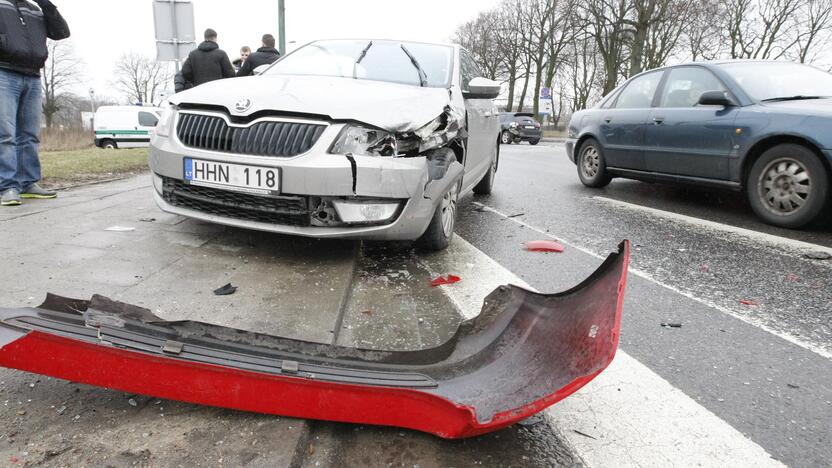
(623, 124)
(483, 125)
(684, 138)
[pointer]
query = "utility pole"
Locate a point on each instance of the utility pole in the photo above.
(281, 25)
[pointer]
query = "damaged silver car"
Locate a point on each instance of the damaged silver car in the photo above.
(370, 139)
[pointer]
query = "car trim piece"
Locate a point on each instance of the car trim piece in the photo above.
(523, 353)
(664, 177)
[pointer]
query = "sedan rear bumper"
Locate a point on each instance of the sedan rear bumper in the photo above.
(523, 353)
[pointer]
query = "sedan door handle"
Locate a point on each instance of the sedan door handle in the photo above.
(658, 120)
(607, 119)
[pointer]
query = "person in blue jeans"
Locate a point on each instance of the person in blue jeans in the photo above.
(23, 52)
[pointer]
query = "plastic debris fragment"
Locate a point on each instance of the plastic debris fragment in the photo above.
(120, 229)
(448, 279)
(226, 290)
(544, 246)
(747, 302)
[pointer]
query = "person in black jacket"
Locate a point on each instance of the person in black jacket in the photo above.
(26, 25)
(264, 55)
(207, 62)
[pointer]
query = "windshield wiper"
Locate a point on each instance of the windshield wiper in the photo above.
(423, 77)
(793, 98)
(360, 58)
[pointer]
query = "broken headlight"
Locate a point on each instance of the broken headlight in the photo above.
(365, 141)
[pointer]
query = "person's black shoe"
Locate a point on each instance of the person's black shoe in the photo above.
(36, 191)
(10, 197)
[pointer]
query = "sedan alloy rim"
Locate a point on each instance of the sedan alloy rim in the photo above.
(449, 210)
(590, 161)
(785, 186)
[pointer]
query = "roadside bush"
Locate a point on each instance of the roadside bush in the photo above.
(53, 139)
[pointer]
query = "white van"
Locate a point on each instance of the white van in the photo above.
(124, 126)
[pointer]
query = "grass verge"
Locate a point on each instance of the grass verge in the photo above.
(63, 168)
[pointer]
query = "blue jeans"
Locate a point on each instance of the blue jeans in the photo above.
(20, 110)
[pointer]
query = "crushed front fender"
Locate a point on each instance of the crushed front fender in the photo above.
(523, 353)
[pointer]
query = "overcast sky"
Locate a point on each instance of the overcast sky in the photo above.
(104, 29)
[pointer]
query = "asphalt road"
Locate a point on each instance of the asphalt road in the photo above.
(762, 366)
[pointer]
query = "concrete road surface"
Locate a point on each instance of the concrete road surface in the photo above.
(735, 385)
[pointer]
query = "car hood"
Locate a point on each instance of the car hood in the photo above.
(805, 107)
(390, 106)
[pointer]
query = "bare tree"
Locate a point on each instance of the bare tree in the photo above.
(702, 34)
(60, 72)
(478, 36)
(140, 78)
(814, 27)
(606, 23)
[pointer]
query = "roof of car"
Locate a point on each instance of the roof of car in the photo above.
(447, 44)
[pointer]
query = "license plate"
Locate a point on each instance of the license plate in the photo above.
(529, 126)
(237, 177)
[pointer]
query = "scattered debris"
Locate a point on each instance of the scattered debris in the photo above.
(515, 215)
(481, 209)
(61, 410)
(147, 220)
(818, 255)
(584, 434)
(794, 278)
(671, 324)
(532, 420)
(544, 246)
(704, 268)
(132, 402)
(367, 312)
(120, 229)
(21, 412)
(449, 279)
(791, 385)
(747, 302)
(226, 290)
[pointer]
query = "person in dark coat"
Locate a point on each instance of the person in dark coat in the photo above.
(24, 28)
(264, 56)
(180, 83)
(207, 62)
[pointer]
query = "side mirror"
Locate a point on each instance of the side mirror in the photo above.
(482, 88)
(259, 70)
(716, 98)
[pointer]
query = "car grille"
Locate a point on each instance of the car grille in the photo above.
(284, 209)
(278, 139)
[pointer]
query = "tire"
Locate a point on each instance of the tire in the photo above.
(109, 144)
(534, 142)
(440, 231)
(788, 186)
(486, 184)
(592, 169)
(506, 138)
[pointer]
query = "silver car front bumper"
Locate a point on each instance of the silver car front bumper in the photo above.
(318, 173)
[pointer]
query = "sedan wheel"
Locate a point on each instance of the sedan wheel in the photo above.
(506, 138)
(440, 231)
(592, 169)
(448, 210)
(788, 186)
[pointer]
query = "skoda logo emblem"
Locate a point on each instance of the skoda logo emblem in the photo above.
(242, 105)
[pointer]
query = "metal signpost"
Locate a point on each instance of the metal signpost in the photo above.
(174, 24)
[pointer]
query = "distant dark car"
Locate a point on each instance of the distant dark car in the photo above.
(759, 126)
(519, 126)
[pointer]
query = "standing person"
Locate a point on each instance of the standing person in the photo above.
(22, 54)
(207, 62)
(264, 55)
(245, 51)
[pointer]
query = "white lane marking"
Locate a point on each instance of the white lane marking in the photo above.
(636, 417)
(649, 277)
(798, 246)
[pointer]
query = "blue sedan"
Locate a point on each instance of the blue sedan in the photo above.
(758, 126)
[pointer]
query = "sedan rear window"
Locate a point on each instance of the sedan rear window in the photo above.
(371, 60)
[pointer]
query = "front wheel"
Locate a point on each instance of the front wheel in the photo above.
(506, 138)
(441, 228)
(788, 186)
(109, 144)
(592, 168)
(534, 142)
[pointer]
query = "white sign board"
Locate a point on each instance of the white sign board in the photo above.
(174, 24)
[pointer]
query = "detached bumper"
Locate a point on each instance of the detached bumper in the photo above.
(523, 353)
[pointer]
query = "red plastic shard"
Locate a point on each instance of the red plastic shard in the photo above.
(449, 279)
(544, 246)
(748, 302)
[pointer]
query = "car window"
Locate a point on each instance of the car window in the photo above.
(146, 119)
(468, 69)
(639, 92)
(381, 61)
(685, 85)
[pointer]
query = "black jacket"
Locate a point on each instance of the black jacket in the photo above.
(180, 83)
(24, 27)
(263, 56)
(207, 63)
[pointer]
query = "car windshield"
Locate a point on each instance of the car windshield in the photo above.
(371, 60)
(780, 80)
